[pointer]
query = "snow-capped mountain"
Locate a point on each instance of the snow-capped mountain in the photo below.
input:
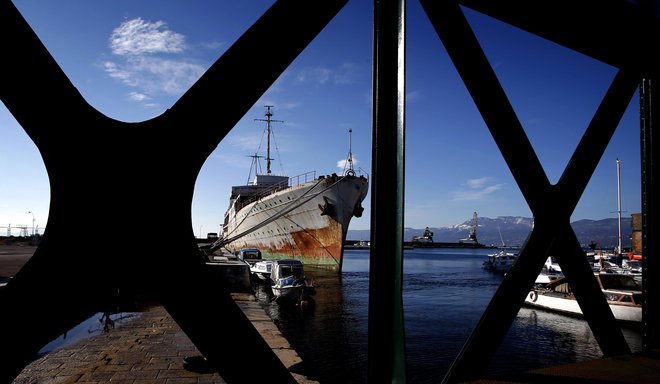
(513, 231)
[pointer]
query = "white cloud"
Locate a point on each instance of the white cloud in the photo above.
(213, 45)
(477, 189)
(477, 183)
(139, 46)
(248, 143)
(343, 164)
(154, 75)
(315, 75)
(345, 74)
(413, 96)
(117, 72)
(137, 37)
(137, 96)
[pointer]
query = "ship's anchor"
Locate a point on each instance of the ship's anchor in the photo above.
(357, 211)
(328, 208)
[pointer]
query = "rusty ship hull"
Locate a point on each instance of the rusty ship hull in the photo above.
(307, 222)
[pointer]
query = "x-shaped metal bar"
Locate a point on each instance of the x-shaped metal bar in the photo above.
(551, 205)
(115, 171)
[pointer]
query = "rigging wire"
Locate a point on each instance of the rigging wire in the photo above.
(277, 149)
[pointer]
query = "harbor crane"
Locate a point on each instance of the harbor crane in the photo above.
(472, 235)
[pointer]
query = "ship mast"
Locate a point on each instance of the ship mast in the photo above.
(268, 120)
(618, 190)
(350, 171)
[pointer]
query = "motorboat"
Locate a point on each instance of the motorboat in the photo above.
(633, 268)
(262, 269)
(500, 261)
(258, 266)
(288, 281)
(550, 272)
(623, 294)
(249, 255)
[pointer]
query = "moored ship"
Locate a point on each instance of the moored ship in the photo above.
(304, 217)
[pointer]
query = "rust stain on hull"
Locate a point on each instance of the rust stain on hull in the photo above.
(307, 223)
(321, 248)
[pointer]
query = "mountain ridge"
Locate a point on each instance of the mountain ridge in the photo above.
(513, 231)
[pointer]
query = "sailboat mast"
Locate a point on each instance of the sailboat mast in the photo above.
(618, 191)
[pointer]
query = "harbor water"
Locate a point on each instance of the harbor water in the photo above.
(445, 291)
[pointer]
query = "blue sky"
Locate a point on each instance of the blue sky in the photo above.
(132, 60)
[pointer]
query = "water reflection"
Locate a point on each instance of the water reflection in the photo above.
(540, 338)
(101, 322)
(445, 293)
(331, 337)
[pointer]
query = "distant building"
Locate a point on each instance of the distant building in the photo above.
(636, 236)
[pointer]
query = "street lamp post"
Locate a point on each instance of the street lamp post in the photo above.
(32, 222)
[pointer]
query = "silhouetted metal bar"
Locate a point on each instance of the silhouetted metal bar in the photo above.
(650, 214)
(241, 75)
(588, 293)
(621, 33)
(159, 157)
(594, 142)
(386, 340)
(551, 205)
(570, 187)
(487, 93)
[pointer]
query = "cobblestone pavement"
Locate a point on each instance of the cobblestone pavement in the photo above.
(147, 349)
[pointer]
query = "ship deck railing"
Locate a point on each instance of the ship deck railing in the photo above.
(291, 182)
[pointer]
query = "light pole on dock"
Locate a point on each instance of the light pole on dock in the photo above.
(30, 212)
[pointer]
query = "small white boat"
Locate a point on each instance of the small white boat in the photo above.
(500, 261)
(622, 292)
(262, 269)
(633, 268)
(258, 267)
(550, 272)
(249, 255)
(288, 281)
